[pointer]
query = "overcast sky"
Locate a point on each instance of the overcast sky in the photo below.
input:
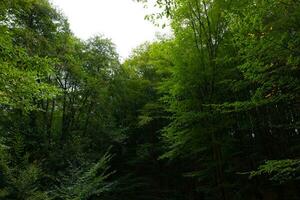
(121, 20)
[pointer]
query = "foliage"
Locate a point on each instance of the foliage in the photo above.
(20, 179)
(279, 170)
(85, 183)
(185, 117)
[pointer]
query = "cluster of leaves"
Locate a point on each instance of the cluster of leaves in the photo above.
(279, 170)
(20, 178)
(85, 182)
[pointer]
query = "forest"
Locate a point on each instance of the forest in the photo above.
(209, 113)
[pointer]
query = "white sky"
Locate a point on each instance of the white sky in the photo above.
(120, 20)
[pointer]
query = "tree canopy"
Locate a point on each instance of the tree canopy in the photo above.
(209, 113)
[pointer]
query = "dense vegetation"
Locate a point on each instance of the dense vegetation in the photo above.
(210, 113)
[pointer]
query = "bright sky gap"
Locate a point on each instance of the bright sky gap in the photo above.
(120, 20)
